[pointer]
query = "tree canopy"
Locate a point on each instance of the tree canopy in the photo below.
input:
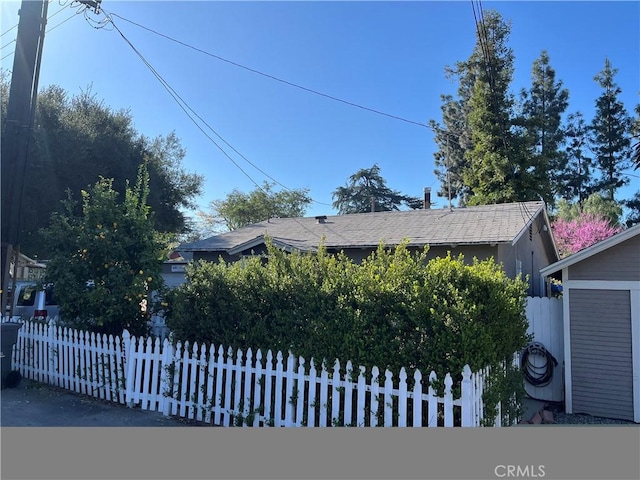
(239, 209)
(76, 140)
(105, 258)
(495, 147)
(367, 191)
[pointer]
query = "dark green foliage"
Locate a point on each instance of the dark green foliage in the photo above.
(76, 140)
(393, 310)
(542, 107)
(366, 191)
(611, 127)
(105, 259)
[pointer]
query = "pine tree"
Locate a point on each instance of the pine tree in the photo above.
(452, 139)
(575, 180)
(542, 107)
(367, 191)
(611, 133)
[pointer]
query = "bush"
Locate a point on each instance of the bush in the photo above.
(395, 309)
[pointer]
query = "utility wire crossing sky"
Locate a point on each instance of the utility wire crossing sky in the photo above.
(312, 92)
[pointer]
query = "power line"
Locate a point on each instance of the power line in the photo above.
(272, 77)
(49, 30)
(16, 25)
(191, 113)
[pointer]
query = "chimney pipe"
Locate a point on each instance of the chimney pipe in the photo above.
(427, 198)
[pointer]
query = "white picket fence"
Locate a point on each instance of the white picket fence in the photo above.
(233, 388)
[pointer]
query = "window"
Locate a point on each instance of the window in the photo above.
(27, 296)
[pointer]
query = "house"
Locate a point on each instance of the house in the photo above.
(601, 320)
(173, 269)
(27, 268)
(518, 235)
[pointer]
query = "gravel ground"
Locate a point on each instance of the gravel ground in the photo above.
(560, 417)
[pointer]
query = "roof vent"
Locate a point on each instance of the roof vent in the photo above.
(321, 218)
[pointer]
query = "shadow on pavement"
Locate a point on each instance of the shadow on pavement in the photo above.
(33, 404)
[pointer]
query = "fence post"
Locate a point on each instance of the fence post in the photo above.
(129, 366)
(468, 399)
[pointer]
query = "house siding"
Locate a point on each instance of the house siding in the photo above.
(601, 353)
(620, 262)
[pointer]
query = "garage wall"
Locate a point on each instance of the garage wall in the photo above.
(601, 354)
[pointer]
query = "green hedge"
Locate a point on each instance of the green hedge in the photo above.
(393, 310)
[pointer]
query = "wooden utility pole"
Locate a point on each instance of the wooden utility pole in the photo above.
(17, 128)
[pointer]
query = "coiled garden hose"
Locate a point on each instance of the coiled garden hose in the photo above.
(538, 376)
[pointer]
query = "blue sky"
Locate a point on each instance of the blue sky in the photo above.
(387, 56)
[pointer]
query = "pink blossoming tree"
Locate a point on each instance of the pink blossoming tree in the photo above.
(582, 232)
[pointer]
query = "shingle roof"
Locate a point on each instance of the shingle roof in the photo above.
(486, 224)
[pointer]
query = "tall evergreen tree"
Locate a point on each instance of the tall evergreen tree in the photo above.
(452, 139)
(542, 108)
(498, 168)
(611, 127)
(575, 181)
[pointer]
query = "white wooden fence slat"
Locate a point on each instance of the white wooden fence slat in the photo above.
(278, 390)
(323, 420)
(448, 401)
(227, 391)
(289, 392)
(257, 385)
(268, 376)
(468, 397)
(335, 394)
(375, 419)
(417, 399)
(402, 399)
(361, 392)
(192, 394)
(300, 396)
(348, 393)
(388, 401)
(313, 395)
(433, 401)
(246, 391)
(217, 397)
(237, 388)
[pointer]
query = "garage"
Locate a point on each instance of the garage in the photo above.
(601, 320)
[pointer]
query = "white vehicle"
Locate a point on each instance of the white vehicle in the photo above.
(33, 301)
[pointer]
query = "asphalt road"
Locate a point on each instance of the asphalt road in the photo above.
(33, 404)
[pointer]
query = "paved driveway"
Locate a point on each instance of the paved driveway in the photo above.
(33, 404)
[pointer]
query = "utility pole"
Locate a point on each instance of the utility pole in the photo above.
(18, 125)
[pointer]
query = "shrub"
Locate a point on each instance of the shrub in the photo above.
(395, 309)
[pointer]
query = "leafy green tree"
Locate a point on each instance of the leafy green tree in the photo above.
(542, 108)
(366, 191)
(78, 139)
(105, 258)
(240, 209)
(595, 205)
(610, 133)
